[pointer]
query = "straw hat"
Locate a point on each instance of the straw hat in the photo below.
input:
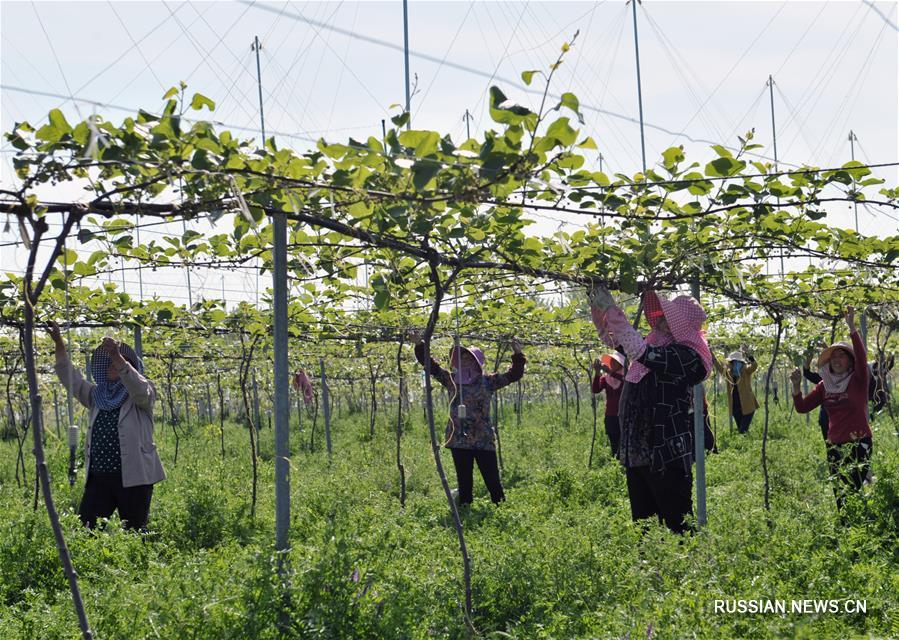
(825, 356)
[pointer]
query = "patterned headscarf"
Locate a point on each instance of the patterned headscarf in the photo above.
(468, 374)
(685, 317)
(111, 394)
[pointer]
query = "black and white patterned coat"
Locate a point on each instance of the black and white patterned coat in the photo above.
(656, 413)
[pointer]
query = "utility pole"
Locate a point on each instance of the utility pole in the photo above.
(852, 140)
(257, 46)
(639, 87)
(770, 84)
(282, 391)
(406, 58)
(467, 118)
(863, 326)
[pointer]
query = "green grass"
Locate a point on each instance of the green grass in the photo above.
(560, 559)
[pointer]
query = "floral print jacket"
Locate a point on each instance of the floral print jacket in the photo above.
(475, 431)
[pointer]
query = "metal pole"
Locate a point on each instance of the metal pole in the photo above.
(467, 118)
(852, 140)
(406, 59)
(639, 87)
(190, 297)
(699, 438)
(282, 387)
(326, 406)
(138, 338)
(140, 275)
(70, 409)
(256, 414)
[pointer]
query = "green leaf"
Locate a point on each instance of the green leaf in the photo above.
(503, 110)
(627, 278)
(55, 129)
(721, 151)
(527, 76)
(724, 167)
(381, 299)
(199, 101)
(423, 173)
(856, 169)
(571, 101)
(562, 131)
(600, 178)
(672, 156)
(401, 119)
(423, 143)
(171, 93)
(67, 257)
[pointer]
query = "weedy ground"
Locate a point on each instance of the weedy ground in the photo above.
(559, 559)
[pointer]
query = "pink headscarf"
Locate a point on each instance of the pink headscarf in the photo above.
(684, 315)
(468, 374)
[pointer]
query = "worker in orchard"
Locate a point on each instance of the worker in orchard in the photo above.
(121, 460)
(470, 435)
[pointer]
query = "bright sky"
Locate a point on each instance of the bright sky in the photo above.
(333, 69)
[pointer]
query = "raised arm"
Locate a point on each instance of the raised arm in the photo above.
(808, 374)
(514, 373)
(804, 404)
(859, 351)
(437, 372)
(751, 364)
(68, 375)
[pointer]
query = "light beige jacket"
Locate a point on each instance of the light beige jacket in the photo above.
(140, 461)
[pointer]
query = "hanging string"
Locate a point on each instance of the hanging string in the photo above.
(457, 379)
(458, 345)
(72, 428)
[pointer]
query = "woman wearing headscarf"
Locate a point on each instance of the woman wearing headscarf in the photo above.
(814, 378)
(609, 377)
(121, 461)
(471, 437)
(741, 400)
(656, 406)
(843, 390)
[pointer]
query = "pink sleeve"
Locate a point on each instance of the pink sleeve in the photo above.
(624, 334)
(599, 321)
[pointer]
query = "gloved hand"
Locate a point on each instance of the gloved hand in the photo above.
(600, 298)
